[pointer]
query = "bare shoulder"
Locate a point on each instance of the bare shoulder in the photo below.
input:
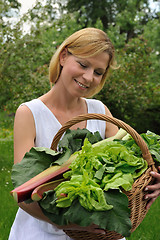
(23, 110)
(111, 129)
(24, 132)
(24, 119)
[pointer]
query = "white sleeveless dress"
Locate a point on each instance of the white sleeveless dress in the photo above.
(26, 227)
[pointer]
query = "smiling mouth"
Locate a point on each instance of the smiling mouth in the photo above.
(80, 84)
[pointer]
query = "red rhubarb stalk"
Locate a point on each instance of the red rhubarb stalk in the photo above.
(38, 192)
(24, 191)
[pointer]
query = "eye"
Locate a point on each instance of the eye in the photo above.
(82, 65)
(98, 73)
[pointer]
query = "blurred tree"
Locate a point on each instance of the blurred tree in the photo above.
(8, 32)
(129, 15)
(8, 8)
(152, 34)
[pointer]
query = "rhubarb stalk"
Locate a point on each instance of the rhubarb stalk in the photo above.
(38, 192)
(24, 191)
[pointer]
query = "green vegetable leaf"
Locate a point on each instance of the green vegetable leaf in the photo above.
(155, 154)
(63, 156)
(78, 214)
(46, 150)
(119, 180)
(116, 219)
(74, 139)
(100, 172)
(32, 164)
(88, 192)
(48, 206)
(87, 160)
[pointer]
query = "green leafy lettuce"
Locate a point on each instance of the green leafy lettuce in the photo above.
(108, 166)
(88, 192)
(153, 142)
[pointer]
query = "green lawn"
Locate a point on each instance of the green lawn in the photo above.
(8, 205)
(148, 230)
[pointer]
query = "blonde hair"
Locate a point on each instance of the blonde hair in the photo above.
(84, 43)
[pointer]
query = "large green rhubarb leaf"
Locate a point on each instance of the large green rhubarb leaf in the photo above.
(34, 162)
(117, 219)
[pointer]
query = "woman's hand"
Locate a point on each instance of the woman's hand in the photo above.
(92, 228)
(155, 189)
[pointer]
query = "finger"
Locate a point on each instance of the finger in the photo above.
(155, 175)
(154, 194)
(153, 187)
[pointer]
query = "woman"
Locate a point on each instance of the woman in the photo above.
(78, 70)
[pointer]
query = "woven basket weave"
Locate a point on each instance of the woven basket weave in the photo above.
(137, 204)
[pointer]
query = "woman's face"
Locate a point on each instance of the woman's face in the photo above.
(80, 76)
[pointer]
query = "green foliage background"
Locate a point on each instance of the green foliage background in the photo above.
(132, 92)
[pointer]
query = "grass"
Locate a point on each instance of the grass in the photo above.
(8, 205)
(6, 125)
(148, 230)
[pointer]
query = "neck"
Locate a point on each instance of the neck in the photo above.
(61, 100)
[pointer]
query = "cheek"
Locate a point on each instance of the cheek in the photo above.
(70, 69)
(97, 81)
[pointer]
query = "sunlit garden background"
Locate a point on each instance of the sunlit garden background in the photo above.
(132, 92)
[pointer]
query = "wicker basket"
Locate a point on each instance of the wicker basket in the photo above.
(137, 203)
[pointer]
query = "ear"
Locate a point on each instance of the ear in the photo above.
(63, 56)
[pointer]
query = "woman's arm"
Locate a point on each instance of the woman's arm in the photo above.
(24, 132)
(24, 136)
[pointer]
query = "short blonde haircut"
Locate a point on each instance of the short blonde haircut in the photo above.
(87, 42)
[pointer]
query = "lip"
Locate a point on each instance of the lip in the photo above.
(81, 85)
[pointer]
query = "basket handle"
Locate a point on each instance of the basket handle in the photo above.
(138, 139)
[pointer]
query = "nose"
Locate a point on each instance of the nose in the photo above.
(88, 75)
